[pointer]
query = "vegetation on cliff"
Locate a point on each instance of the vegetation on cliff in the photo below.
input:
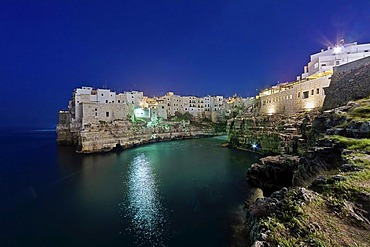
(326, 198)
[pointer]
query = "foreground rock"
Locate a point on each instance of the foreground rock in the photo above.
(273, 172)
(322, 196)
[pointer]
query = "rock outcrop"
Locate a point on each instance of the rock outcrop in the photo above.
(273, 172)
(274, 134)
(311, 191)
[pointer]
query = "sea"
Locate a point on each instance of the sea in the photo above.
(178, 193)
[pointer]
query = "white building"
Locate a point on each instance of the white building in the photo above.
(89, 106)
(324, 61)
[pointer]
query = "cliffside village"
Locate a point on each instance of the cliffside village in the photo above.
(307, 93)
(90, 105)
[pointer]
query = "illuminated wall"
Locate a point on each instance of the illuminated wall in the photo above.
(304, 96)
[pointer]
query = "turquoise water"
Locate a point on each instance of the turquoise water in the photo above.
(180, 193)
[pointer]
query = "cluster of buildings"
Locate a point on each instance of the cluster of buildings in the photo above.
(89, 105)
(308, 91)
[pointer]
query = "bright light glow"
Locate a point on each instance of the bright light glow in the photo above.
(254, 145)
(139, 111)
(309, 106)
(337, 49)
(271, 110)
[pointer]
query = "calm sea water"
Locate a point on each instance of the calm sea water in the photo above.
(180, 193)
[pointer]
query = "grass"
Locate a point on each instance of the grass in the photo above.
(361, 112)
(352, 143)
(316, 225)
(330, 220)
(325, 221)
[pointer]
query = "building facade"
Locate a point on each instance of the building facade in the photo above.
(308, 92)
(93, 106)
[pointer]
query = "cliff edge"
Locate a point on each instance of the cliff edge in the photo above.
(321, 197)
(104, 136)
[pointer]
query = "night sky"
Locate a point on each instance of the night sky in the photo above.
(48, 48)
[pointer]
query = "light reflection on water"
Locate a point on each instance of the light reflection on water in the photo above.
(142, 206)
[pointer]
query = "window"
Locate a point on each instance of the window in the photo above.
(323, 64)
(96, 114)
(107, 114)
(337, 62)
(106, 101)
(317, 90)
(366, 50)
(316, 65)
(305, 94)
(119, 101)
(299, 94)
(312, 92)
(291, 96)
(96, 109)
(102, 94)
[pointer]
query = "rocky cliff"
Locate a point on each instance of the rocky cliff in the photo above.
(105, 136)
(274, 134)
(320, 197)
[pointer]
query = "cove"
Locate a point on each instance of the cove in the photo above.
(178, 193)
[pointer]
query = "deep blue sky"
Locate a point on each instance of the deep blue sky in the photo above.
(48, 48)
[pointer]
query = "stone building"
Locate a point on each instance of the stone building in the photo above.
(91, 106)
(308, 92)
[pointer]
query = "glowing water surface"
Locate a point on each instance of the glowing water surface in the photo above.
(143, 204)
(181, 193)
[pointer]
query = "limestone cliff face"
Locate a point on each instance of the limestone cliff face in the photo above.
(270, 134)
(107, 136)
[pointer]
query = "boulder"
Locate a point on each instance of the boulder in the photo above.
(273, 172)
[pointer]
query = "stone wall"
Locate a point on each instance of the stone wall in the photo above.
(102, 112)
(302, 96)
(349, 82)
